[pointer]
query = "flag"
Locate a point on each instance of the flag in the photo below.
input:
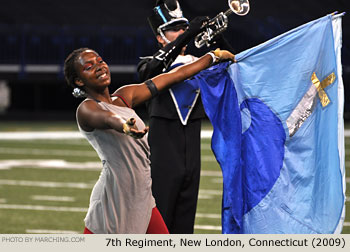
(278, 133)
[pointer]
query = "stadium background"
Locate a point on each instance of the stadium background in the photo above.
(35, 38)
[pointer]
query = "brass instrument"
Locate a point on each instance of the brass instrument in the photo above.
(218, 24)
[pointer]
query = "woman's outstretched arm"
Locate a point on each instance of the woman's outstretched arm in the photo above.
(136, 94)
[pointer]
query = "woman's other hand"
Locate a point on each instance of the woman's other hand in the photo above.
(130, 129)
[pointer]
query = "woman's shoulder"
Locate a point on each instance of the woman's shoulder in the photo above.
(87, 102)
(85, 111)
(87, 105)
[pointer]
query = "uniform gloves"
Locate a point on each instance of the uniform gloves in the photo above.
(196, 25)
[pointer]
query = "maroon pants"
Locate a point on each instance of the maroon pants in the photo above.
(155, 226)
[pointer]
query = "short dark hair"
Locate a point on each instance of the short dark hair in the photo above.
(70, 73)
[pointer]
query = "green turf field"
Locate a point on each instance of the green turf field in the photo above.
(45, 184)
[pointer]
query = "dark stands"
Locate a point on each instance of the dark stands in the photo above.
(35, 38)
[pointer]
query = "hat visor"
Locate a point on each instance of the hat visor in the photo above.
(176, 27)
(174, 23)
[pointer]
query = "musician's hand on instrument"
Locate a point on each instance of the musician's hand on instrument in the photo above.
(223, 55)
(219, 23)
(196, 25)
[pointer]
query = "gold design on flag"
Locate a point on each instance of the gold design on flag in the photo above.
(320, 86)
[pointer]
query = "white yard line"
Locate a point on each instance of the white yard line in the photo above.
(208, 194)
(206, 134)
(65, 142)
(347, 133)
(47, 184)
(44, 208)
(53, 198)
(77, 209)
(62, 164)
(29, 135)
(207, 227)
(204, 197)
(50, 164)
(47, 231)
(60, 152)
(209, 216)
(50, 184)
(211, 192)
(51, 152)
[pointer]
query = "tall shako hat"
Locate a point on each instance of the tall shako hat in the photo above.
(167, 13)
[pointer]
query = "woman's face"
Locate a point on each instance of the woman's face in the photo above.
(92, 70)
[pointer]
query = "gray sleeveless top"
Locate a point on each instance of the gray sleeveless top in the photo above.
(121, 201)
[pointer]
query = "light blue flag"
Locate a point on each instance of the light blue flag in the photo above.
(278, 132)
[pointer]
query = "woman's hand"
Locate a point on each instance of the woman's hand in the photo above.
(130, 129)
(223, 55)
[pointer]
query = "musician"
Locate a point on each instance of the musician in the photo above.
(174, 119)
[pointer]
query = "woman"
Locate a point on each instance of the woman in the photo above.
(121, 201)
